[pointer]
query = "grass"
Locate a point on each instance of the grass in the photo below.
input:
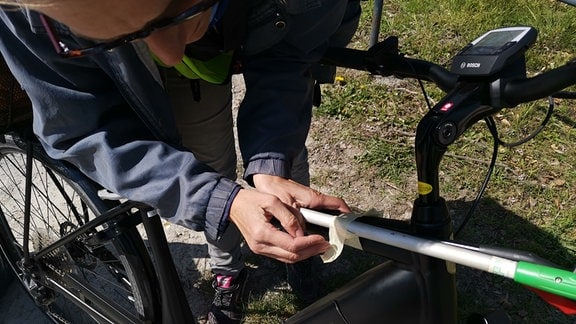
(530, 202)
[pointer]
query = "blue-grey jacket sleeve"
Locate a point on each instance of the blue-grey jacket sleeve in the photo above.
(109, 117)
(280, 53)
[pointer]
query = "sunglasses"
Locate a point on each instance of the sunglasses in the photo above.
(66, 51)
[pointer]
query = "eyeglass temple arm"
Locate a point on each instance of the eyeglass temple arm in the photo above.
(51, 33)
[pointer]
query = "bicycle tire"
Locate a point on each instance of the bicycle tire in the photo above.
(117, 269)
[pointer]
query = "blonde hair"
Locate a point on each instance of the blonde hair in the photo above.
(27, 3)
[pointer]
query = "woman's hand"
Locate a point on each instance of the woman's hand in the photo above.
(298, 195)
(252, 212)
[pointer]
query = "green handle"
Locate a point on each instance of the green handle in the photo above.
(556, 281)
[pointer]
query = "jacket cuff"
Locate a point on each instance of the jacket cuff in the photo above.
(218, 211)
(271, 164)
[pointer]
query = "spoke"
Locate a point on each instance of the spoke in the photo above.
(108, 283)
(57, 208)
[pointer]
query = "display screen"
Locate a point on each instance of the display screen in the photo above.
(492, 42)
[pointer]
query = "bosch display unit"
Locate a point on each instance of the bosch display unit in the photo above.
(491, 52)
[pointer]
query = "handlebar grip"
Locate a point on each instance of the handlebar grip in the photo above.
(346, 58)
(518, 91)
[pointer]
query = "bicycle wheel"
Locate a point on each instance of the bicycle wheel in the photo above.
(89, 279)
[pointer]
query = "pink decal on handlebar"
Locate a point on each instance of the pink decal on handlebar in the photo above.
(447, 107)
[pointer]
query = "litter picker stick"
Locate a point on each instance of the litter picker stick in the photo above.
(557, 281)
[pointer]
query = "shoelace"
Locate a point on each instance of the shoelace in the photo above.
(224, 296)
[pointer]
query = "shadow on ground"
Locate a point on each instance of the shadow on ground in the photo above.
(494, 225)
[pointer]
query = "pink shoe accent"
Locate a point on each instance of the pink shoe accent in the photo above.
(224, 281)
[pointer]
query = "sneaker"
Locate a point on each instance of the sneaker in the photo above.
(303, 279)
(227, 305)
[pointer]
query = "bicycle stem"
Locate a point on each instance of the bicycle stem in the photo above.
(441, 127)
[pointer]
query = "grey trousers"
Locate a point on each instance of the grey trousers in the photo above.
(203, 113)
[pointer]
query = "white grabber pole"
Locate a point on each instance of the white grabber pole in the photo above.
(556, 281)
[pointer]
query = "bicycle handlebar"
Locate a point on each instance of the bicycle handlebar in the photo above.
(540, 86)
(387, 64)
(384, 59)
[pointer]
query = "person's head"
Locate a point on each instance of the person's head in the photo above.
(105, 20)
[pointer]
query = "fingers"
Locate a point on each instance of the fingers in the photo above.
(301, 226)
(288, 249)
(290, 218)
(319, 201)
(298, 195)
(330, 203)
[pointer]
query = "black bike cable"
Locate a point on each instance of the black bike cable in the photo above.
(342, 317)
(424, 93)
(421, 84)
(497, 141)
(535, 132)
(494, 131)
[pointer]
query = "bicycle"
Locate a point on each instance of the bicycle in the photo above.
(87, 257)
